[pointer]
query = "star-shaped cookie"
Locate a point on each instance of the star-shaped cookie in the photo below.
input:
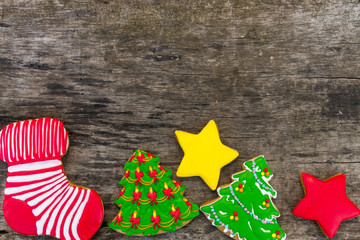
(326, 203)
(204, 154)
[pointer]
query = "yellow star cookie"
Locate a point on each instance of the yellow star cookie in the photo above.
(204, 154)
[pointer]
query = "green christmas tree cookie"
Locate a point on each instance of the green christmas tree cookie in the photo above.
(150, 201)
(244, 209)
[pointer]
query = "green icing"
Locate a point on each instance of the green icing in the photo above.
(255, 220)
(145, 210)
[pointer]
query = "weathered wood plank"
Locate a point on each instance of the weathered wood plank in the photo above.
(281, 78)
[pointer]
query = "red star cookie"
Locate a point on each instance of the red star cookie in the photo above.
(326, 203)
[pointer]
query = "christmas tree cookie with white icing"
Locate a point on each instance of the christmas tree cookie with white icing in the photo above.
(150, 201)
(244, 209)
(39, 200)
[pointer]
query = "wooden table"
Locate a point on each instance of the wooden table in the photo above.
(280, 78)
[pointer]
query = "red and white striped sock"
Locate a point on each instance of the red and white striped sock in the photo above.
(39, 200)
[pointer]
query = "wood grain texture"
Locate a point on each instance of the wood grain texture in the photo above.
(280, 78)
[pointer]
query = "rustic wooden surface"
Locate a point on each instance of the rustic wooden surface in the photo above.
(280, 77)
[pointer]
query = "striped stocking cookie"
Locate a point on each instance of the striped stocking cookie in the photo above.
(39, 200)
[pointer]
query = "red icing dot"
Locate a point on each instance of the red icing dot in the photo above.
(265, 169)
(240, 185)
(267, 200)
(278, 232)
(235, 213)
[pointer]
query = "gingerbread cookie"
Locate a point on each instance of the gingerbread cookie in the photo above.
(326, 203)
(204, 154)
(39, 200)
(245, 209)
(150, 201)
